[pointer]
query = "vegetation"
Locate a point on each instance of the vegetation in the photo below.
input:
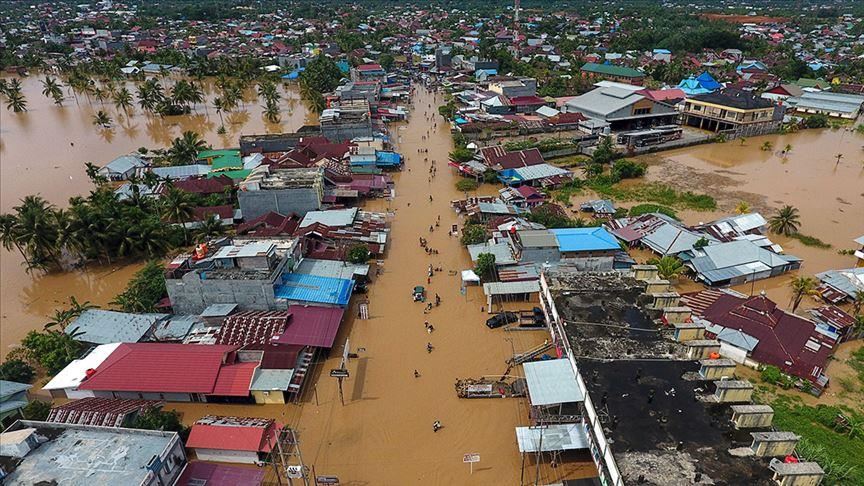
(485, 266)
(16, 370)
(641, 209)
(359, 254)
(144, 291)
(743, 207)
(785, 221)
(772, 374)
(700, 243)
(50, 350)
(467, 185)
(604, 153)
(460, 154)
(322, 75)
(554, 216)
(473, 234)
(668, 267)
(801, 286)
(816, 121)
(766, 146)
(157, 419)
(656, 193)
(627, 169)
(810, 241)
(36, 410)
(448, 110)
(15, 100)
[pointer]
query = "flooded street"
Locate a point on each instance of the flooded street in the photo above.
(383, 435)
(43, 151)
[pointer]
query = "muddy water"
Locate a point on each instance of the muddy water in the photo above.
(43, 151)
(383, 435)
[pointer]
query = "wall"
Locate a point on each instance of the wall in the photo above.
(753, 420)
(262, 397)
(173, 462)
(284, 201)
(240, 457)
(739, 395)
(590, 264)
(774, 449)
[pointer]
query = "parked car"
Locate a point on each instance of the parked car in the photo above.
(502, 319)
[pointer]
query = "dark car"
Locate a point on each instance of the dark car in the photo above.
(501, 319)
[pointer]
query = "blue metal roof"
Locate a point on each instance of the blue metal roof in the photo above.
(584, 239)
(312, 288)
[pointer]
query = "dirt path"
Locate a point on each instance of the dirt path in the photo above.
(383, 435)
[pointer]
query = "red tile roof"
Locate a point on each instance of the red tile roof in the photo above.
(782, 336)
(203, 213)
(234, 380)
(214, 185)
(256, 437)
(160, 368)
(220, 475)
(312, 326)
(105, 412)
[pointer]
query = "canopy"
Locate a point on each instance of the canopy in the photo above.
(470, 276)
(552, 382)
(559, 437)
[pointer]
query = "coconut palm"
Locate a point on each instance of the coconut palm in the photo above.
(742, 208)
(63, 317)
(786, 221)
(9, 235)
(15, 100)
(839, 156)
(271, 112)
(210, 228)
(668, 267)
(857, 302)
(787, 148)
(177, 208)
(767, 146)
(52, 89)
(36, 230)
(123, 100)
(801, 286)
(217, 103)
(184, 149)
(196, 94)
(102, 119)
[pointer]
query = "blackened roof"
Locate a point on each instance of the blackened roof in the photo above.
(735, 98)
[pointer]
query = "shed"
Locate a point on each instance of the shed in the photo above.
(733, 391)
(679, 314)
(752, 416)
(773, 444)
(552, 382)
(519, 290)
(797, 473)
(701, 348)
(715, 369)
(688, 331)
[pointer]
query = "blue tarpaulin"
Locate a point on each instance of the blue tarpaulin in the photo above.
(312, 288)
(387, 159)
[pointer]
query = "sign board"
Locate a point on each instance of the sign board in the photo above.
(294, 472)
(471, 458)
(327, 480)
(339, 373)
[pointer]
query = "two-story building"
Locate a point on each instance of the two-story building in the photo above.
(734, 111)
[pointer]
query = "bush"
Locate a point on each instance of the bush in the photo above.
(485, 264)
(490, 176)
(473, 234)
(157, 419)
(359, 254)
(52, 350)
(36, 410)
(816, 121)
(641, 209)
(144, 291)
(553, 216)
(460, 154)
(627, 169)
(16, 370)
(467, 185)
(771, 374)
(604, 153)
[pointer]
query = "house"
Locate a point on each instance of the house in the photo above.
(55, 453)
(13, 399)
(348, 120)
(736, 262)
(836, 105)
(198, 472)
(225, 162)
(600, 208)
(497, 158)
(659, 233)
(834, 320)
(123, 167)
(732, 110)
(591, 249)
(233, 439)
(340, 229)
(839, 285)
(368, 72)
(97, 326)
(622, 109)
(513, 87)
(782, 92)
(612, 72)
(754, 331)
(522, 196)
(151, 371)
(283, 191)
(221, 184)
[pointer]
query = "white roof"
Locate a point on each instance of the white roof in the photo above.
(245, 250)
(469, 276)
(335, 217)
(552, 382)
(73, 374)
(559, 437)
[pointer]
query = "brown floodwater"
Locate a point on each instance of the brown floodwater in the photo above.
(43, 151)
(383, 435)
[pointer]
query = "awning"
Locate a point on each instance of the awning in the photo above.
(552, 382)
(559, 437)
(470, 276)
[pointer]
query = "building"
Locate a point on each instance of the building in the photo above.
(244, 274)
(329, 234)
(13, 399)
(102, 412)
(275, 142)
(622, 109)
(197, 473)
(611, 72)
(839, 285)
(233, 439)
(368, 72)
(123, 167)
(283, 191)
(754, 331)
(782, 92)
(736, 262)
(732, 111)
(350, 119)
(51, 453)
(513, 87)
(836, 105)
(97, 326)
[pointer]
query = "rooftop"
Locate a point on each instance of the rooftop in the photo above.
(233, 433)
(220, 475)
(81, 455)
(585, 239)
(104, 412)
(99, 326)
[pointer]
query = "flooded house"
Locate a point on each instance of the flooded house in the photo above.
(284, 191)
(121, 168)
(103, 412)
(622, 108)
(734, 111)
(350, 119)
(13, 399)
(736, 262)
(34, 452)
(241, 440)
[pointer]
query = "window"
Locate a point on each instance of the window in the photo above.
(642, 111)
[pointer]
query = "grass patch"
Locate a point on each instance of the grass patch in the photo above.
(856, 361)
(810, 241)
(570, 161)
(836, 447)
(467, 185)
(657, 193)
(641, 209)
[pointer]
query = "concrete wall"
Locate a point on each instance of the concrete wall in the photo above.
(346, 131)
(265, 397)
(774, 448)
(717, 372)
(191, 294)
(735, 395)
(811, 480)
(216, 455)
(591, 264)
(752, 420)
(284, 201)
(173, 462)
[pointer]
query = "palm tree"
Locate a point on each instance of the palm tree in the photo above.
(839, 156)
(767, 146)
(36, 230)
(857, 301)
(177, 208)
(786, 221)
(787, 148)
(92, 171)
(271, 112)
(742, 208)
(209, 229)
(196, 94)
(801, 286)
(52, 89)
(184, 149)
(217, 103)
(743, 141)
(15, 99)
(668, 267)
(102, 119)
(63, 317)
(9, 235)
(123, 100)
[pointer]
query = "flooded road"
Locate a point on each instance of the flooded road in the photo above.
(383, 435)
(43, 151)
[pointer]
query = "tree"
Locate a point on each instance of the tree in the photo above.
(16, 102)
(701, 243)
(627, 169)
(386, 61)
(857, 302)
(553, 216)
(271, 112)
(155, 418)
(816, 121)
(668, 267)
(52, 350)
(801, 286)
(63, 317)
(467, 185)
(485, 266)
(770, 374)
(177, 208)
(448, 111)
(460, 154)
(184, 149)
(210, 228)
(359, 254)
(766, 146)
(35, 230)
(786, 221)
(604, 153)
(787, 148)
(16, 370)
(473, 234)
(101, 119)
(52, 89)
(144, 291)
(742, 208)
(123, 100)
(36, 410)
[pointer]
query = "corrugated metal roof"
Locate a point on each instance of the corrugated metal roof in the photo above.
(332, 268)
(585, 239)
(559, 437)
(99, 326)
(502, 251)
(505, 288)
(539, 171)
(552, 382)
(234, 380)
(311, 288)
(271, 380)
(335, 217)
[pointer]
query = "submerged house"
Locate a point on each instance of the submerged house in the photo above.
(622, 109)
(732, 110)
(736, 262)
(233, 439)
